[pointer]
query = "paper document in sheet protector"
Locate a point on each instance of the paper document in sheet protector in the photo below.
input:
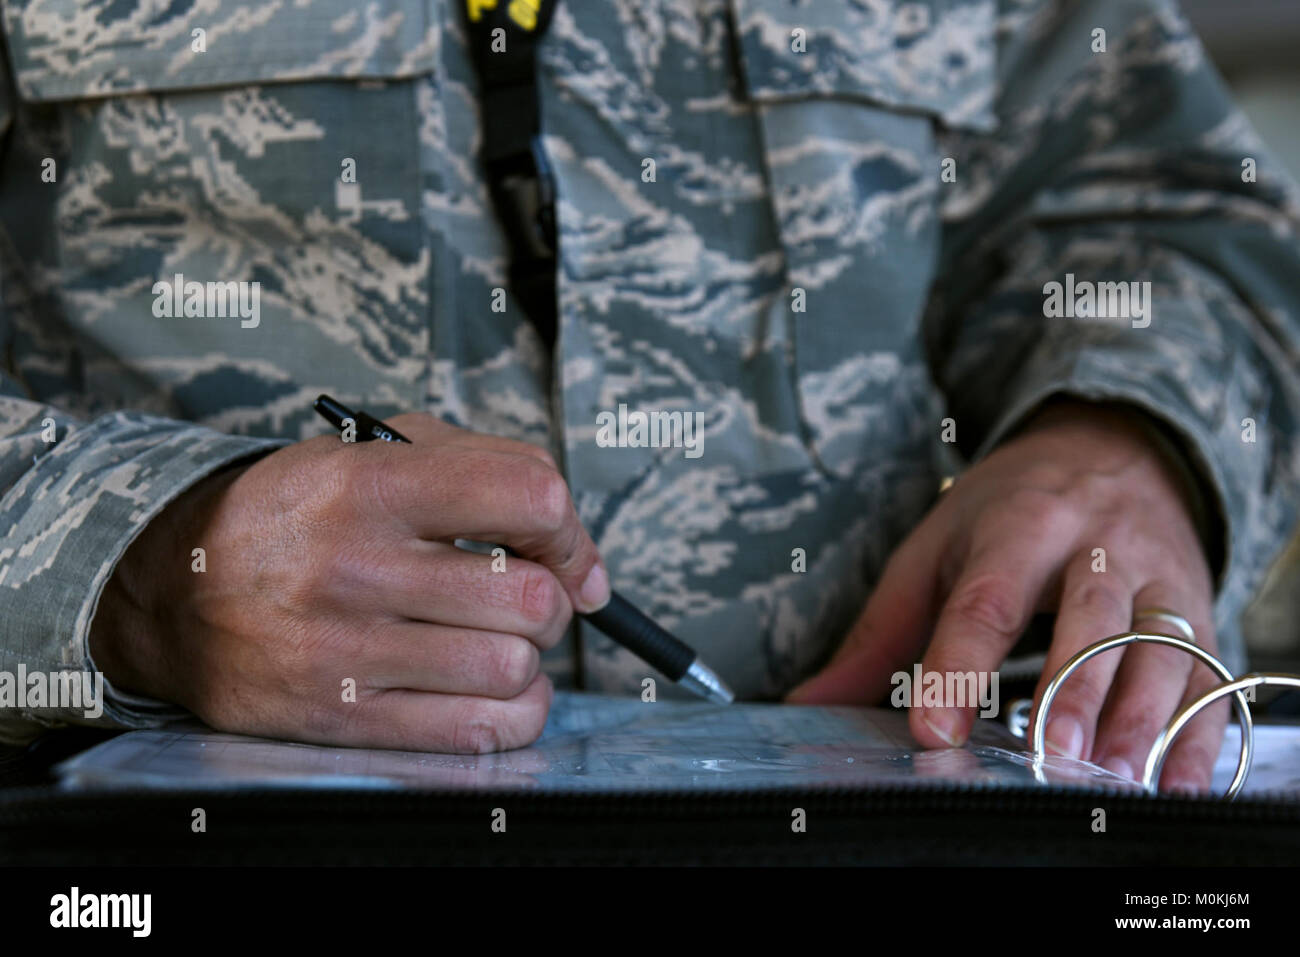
(596, 743)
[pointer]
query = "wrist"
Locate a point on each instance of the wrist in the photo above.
(143, 600)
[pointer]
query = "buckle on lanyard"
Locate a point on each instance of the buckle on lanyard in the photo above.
(524, 193)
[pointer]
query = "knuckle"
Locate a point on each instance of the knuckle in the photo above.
(547, 496)
(531, 722)
(514, 664)
(303, 589)
(473, 731)
(573, 548)
(539, 596)
(553, 631)
(523, 719)
(352, 568)
(364, 486)
(331, 489)
(1106, 525)
(1046, 511)
(1098, 601)
(990, 603)
(1096, 487)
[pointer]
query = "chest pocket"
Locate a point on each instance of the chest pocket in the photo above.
(849, 97)
(275, 143)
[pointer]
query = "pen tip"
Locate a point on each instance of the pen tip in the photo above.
(702, 679)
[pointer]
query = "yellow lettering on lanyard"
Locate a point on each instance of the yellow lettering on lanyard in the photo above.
(476, 8)
(524, 12)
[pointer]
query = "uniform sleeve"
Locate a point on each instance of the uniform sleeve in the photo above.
(73, 495)
(69, 510)
(1120, 167)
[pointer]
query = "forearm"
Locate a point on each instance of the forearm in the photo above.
(69, 510)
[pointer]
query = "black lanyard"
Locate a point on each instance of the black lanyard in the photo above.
(503, 38)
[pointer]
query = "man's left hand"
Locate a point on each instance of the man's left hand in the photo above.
(1018, 534)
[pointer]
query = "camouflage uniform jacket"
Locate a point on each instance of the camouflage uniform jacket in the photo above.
(824, 227)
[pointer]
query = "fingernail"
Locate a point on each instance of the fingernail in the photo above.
(945, 725)
(1121, 767)
(594, 593)
(1186, 788)
(1065, 737)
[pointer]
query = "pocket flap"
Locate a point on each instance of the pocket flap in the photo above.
(70, 49)
(930, 56)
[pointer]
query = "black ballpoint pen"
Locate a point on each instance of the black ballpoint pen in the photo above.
(619, 618)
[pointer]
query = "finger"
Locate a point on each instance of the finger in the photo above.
(1010, 565)
(1153, 682)
(1148, 686)
(491, 496)
(459, 724)
(1190, 765)
(1093, 605)
(889, 633)
(440, 584)
(458, 661)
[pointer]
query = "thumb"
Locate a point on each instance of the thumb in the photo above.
(887, 637)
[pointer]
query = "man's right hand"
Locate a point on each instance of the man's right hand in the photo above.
(328, 561)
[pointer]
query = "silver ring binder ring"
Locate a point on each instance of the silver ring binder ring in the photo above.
(1169, 618)
(1128, 638)
(1165, 740)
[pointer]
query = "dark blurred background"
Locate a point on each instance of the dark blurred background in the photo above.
(1256, 45)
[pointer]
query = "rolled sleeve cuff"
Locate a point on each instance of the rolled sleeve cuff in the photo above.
(67, 523)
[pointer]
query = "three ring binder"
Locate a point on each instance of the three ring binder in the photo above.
(1164, 741)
